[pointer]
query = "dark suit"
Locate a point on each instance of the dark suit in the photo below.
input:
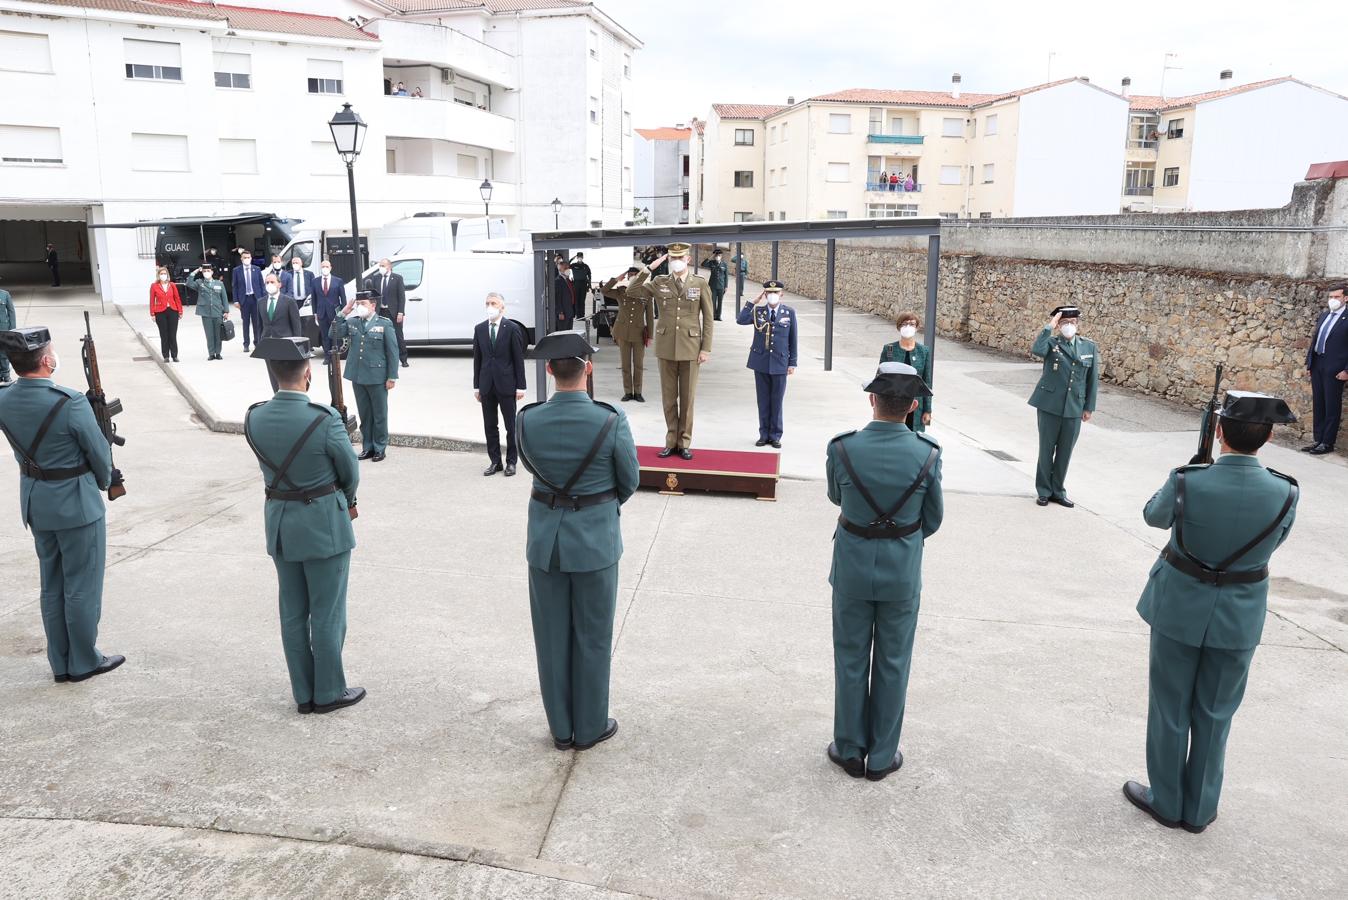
(498, 372)
(583, 280)
(391, 302)
(54, 264)
(240, 279)
(327, 303)
(299, 292)
(1326, 357)
(564, 295)
(284, 323)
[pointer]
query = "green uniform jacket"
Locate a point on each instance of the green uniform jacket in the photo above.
(9, 319)
(373, 358)
(299, 531)
(922, 362)
(73, 439)
(887, 457)
(1071, 377)
(636, 315)
(554, 440)
(718, 274)
(684, 327)
(211, 299)
(1225, 505)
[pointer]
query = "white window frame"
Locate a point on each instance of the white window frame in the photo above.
(835, 214)
(225, 64)
(839, 123)
(772, 135)
(42, 142)
(743, 216)
(781, 175)
(140, 160)
(946, 177)
(832, 171)
(785, 125)
(952, 127)
(989, 172)
(741, 132)
(319, 78)
(161, 60)
(737, 179)
(36, 59)
(1165, 176)
(990, 125)
(1174, 128)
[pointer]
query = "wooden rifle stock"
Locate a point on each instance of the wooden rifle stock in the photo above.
(104, 409)
(334, 363)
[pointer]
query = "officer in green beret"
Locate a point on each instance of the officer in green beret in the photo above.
(887, 479)
(371, 367)
(64, 464)
(1065, 397)
(574, 540)
(1206, 600)
(212, 306)
(311, 474)
(9, 319)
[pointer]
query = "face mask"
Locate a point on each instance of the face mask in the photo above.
(163, 278)
(55, 363)
(297, 268)
(383, 271)
(568, 275)
(774, 299)
(678, 266)
(247, 260)
(493, 313)
(273, 289)
(1335, 304)
(364, 311)
(326, 271)
(308, 381)
(908, 331)
(1069, 331)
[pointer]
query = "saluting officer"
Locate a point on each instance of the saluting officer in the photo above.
(574, 540)
(1206, 600)
(887, 479)
(772, 356)
(212, 306)
(371, 367)
(9, 318)
(682, 343)
(1065, 397)
(311, 474)
(632, 328)
(64, 463)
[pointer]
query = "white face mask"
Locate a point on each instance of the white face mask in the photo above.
(384, 271)
(774, 299)
(569, 275)
(364, 311)
(908, 331)
(55, 363)
(297, 268)
(247, 260)
(1069, 331)
(326, 271)
(163, 278)
(1335, 304)
(678, 266)
(493, 313)
(273, 289)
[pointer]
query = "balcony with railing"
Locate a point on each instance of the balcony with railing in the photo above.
(912, 139)
(1138, 190)
(875, 185)
(445, 48)
(449, 120)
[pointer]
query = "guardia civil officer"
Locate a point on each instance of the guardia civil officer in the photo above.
(574, 540)
(212, 306)
(9, 318)
(887, 479)
(1065, 397)
(311, 474)
(772, 357)
(1206, 600)
(64, 463)
(371, 367)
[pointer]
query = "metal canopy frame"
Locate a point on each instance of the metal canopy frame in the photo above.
(547, 243)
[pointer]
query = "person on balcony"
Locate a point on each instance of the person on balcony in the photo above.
(399, 90)
(894, 182)
(908, 184)
(884, 180)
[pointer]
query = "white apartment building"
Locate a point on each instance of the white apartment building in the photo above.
(123, 110)
(1048, 149)
(663, 168)
(1236, 147)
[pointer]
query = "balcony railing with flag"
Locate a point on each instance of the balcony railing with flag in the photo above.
(894, 138)
(873, 183)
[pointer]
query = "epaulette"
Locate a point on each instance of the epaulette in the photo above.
(70, 392)
(325, 407)
(256, 405)
(922, 435)
(839, 437)
(609, 406)
(1282, 475)
(1192, 467)
(529, 406)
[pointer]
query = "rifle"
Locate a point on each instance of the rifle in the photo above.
(334, 363)
(104, 409)
(1207, 431)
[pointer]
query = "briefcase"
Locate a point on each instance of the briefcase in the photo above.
(226, 330)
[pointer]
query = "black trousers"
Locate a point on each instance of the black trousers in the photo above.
(491, 402)
(398, 330)
(717, 295)
(55, 275)
(167, 321)
(1327, 396)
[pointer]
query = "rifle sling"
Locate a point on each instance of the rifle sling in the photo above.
(284, 468)
(563, 494)
(28, 458)
(1219, 573)
(884, 523)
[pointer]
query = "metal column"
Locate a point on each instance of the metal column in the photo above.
(739, 277)
(933, 276)
(542, 303)
(829, 270)
(774, 261)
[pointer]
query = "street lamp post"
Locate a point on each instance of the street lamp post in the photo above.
(556, 213)
(485, 190)
(348, 136)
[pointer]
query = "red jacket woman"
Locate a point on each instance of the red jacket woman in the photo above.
(166, 307)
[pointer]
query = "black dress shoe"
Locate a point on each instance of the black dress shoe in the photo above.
(1309, 447)
(378, 457)
(107, 665)
(560, 744)
(492, 469)
(1062, 501)
(666, 453)
(882, 774)
(686, 453)
(1041, 501)
(638, 398)
(609, 732)
(760, 443)
(625, 398)
(1198, 829)
(61, 679)
(305, 708)
(1136, 794)
(509, 469)
(350, 697)
(1322, 450)
(854, 767)
(365, 454)
(776, 445)
(406, 364)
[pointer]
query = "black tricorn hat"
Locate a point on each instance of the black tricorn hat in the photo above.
(1068, 312)
(21, 340)
(283, 348)
(896, 379)
(1261, 409)
(561, 345)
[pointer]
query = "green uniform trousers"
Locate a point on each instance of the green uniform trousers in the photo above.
(211, 325)
(1193, 693)
(372, 406)
(313, 625)
(573, 636)
(1057, 437)
(71, 562)
(872, 653)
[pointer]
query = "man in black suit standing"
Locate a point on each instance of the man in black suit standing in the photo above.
(564, 296)
(280, 317)
(390, 300)
(54, 264)
(1327, 362)
(498, 379)
(329, 297)
(583, 279)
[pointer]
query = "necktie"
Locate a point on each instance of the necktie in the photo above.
(1323, 337)
(493, 332)
(325, 284)
(248, 277)
(271, 307)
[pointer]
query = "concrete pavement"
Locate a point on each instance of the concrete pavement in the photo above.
(187, 772)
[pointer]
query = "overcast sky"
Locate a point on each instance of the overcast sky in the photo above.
(700, 52)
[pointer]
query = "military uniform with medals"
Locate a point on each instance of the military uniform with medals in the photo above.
(212, 307)
(371, 362)
(1066, 392)
(772, 357)
(632, 329)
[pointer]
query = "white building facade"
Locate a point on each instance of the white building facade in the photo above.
(662, 178)
(121, 110)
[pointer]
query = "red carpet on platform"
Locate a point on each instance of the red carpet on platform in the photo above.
(735, 471)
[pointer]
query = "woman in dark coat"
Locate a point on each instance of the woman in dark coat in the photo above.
(907, 350)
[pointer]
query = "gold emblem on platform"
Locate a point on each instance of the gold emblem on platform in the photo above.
(672, 482)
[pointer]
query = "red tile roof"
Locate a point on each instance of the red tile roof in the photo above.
(665, 134)
(493, 6)
(746, 110)
(244, 18)
(931, 98)
(1151, 102)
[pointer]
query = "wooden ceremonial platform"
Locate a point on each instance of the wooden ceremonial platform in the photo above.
(733, 471)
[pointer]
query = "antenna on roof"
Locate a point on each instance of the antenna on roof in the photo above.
(1166, 67)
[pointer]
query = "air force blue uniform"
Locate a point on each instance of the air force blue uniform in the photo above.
(772, 353)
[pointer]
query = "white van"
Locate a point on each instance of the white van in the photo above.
(446, 293)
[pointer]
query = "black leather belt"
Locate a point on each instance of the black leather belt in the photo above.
(1212, 576)
(885, 532)
(308, 496)
(574, 502)
(40, 474)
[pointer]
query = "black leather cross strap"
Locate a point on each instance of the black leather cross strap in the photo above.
(274, 491)
(574, 502)
(1180, 557)
(28, 458)
(562, 496)
(883, 526)
(308, 496)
